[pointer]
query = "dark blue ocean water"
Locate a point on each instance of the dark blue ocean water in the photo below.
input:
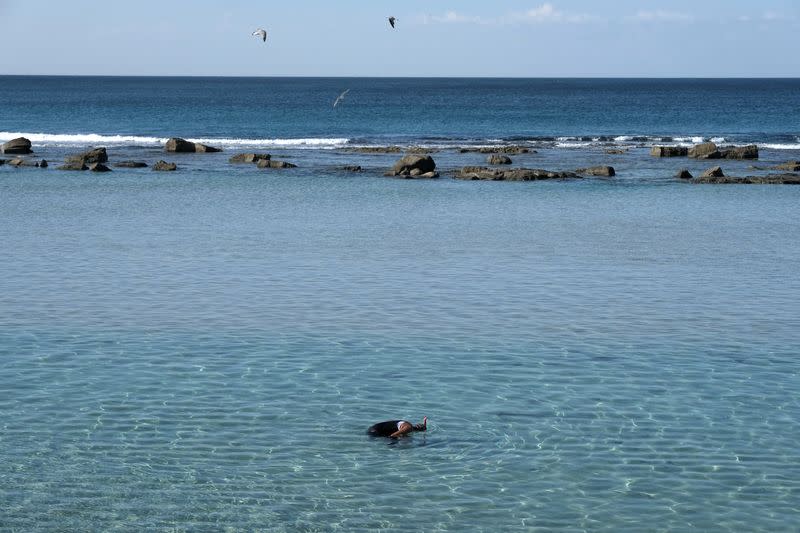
(204, 350)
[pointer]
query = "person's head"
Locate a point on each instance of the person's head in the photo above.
(423, 426)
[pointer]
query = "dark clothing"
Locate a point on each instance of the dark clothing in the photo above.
(384, 429)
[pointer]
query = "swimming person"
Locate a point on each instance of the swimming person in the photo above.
(397, 428)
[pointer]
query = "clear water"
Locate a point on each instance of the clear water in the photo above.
(204, 350)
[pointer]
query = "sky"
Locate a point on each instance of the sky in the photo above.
(514, 38)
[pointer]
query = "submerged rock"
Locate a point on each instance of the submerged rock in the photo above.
(791, 166)
(352, 168)
(684, 174)
(374, 149)
(249, 158)
(131, 164)
(20, 145)
(772, 179)
(518, 174)
(163, 166)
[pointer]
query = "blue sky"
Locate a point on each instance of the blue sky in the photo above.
(452, 38)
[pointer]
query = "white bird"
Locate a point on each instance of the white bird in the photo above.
(340, 98)
(392, 21)
(261, 33)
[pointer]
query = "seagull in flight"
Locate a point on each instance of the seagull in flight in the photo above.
(340, 98)
(392, 20)
(261, 33)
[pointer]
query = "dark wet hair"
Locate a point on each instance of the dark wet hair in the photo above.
(420, 427)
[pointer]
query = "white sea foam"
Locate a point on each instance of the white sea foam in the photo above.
(83, 139)
(780, 146)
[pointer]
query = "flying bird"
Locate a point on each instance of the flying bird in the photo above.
(392, 21)
(340, 98)
(261, 33)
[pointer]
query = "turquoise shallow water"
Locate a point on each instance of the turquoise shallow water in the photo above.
(205, 350)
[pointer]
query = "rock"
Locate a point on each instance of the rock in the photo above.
(498, 159)
(249, 158)
(791, 166)
(2, 162)
(374, 149)
(18, 163)
(684, 174)
(669, 151)
(597, 171)
(741, 152)
(268, 163)
(704, 151)
(176, 144)
(421, 150)
(511, 149)
(131, 164)
(518, 174)
(98, 167)
(420, 164)
(97, 155)
(617, 151)
(163, 166)
(352, 168)
(42, 164)
(713, 172)
(73, 166)
(20, 145)
(772, 179)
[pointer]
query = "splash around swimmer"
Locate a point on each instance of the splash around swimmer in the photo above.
(396, 428)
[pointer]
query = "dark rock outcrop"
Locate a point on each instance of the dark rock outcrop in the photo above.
(268, 163)
(791, 166)
(131, 164)
(96, 155)
(20, 145)
(414, 166)
(19, 162)
(772, 179)
(516, 174)
(374, 149)
(98, 167)
(249, 158)
(669, 151)
(684, 174)
(176, 144)
(617, 151)
(163, 166)
(2, 162)
(498, 159)
(604, 171)
(713, 172)
(705, 151)
(352, 168)
(73, 166)
(511, 150)
(741, 152)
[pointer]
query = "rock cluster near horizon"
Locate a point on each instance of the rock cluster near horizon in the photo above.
(178, 145)
(708, 150)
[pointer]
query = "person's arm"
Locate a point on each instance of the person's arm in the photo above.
(404, 429)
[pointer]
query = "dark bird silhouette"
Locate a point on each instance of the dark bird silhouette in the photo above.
(392, 20)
